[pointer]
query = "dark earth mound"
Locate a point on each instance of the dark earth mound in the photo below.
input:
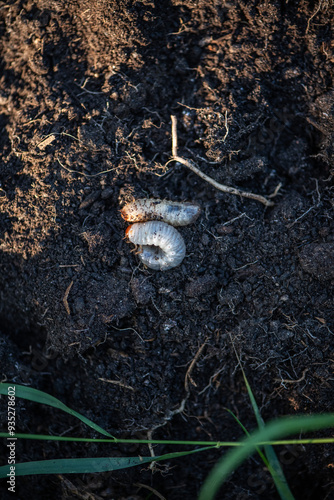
(87, 90)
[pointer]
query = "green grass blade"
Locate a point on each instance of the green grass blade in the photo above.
(277, 474)
(272, 462)
(88, 465)
(284, 426)
(37, 396)
(214, 444)
(73, 466)
(263, 457)
(255, 407)
(238, 421)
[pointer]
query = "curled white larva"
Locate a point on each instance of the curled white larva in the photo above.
(171, 212)
(162, 246)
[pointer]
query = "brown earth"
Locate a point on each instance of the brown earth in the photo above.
(86, 94)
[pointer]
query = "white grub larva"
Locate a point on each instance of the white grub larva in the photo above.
(171, 212)
(162, 246)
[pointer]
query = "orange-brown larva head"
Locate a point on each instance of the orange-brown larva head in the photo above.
(124, 213)
(133, 212)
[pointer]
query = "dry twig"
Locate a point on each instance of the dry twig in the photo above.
(117, 382)
(67, 307)
(191, 367)
(217, 185)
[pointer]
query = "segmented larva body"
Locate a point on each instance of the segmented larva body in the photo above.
(171, 212)
(161, 245)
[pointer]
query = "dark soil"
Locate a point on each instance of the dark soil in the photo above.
(86, 93)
